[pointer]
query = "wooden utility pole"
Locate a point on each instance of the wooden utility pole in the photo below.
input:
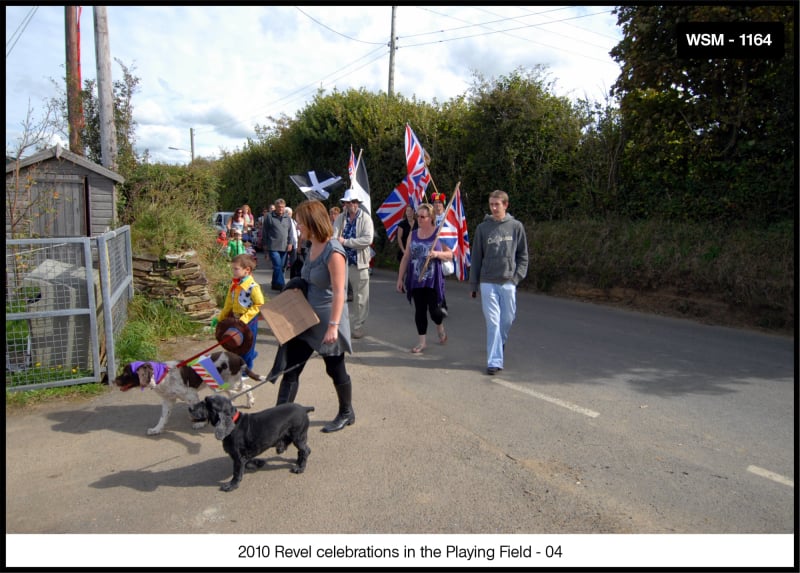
(392, 48)
(105, 94)
(191, 140)
(74, 107)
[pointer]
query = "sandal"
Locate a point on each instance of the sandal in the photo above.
(417, 349)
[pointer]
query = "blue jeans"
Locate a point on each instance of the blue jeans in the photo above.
(499, 303)
(278, 260)
(250, 357)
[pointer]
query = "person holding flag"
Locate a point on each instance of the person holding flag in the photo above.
(420, 276)
(244, 300)
(355, 231)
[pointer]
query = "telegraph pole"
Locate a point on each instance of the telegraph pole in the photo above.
(105, 95)
(392, 48)
(191, 140)
(74, 107)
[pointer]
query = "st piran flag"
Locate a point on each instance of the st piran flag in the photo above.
(317, 184)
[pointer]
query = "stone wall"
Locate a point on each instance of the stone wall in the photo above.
(175, 277)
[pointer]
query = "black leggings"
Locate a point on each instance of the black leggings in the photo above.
(298, 352)
(424, 303)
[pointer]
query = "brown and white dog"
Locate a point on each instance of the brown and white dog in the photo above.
(173, 383)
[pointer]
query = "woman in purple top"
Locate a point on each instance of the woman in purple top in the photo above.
(426, 288)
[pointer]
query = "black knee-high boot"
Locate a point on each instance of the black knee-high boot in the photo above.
(346, 415)
(287, 390)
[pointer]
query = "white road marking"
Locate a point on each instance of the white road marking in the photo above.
(771, 475)
(546, 398)
(406, 350)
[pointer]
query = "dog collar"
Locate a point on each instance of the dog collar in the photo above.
(236, 416)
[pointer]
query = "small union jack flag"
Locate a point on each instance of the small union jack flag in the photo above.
(455, 235)
(417, 168)
(207, 370)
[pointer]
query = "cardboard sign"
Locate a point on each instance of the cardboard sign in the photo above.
(288, 314)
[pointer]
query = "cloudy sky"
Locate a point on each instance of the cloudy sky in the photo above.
(223, 70)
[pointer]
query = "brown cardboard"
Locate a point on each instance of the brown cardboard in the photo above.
(288, 314)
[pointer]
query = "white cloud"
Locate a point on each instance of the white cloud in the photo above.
(223, 69)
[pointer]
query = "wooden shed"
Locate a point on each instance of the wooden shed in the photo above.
(58, 193)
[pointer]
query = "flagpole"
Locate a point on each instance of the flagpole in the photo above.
(427, 160)
(355, 174)
(439, 230)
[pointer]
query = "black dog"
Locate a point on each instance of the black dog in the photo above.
(244, 436)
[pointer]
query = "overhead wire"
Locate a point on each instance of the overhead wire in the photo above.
(20, 30)
(505, 31)
(337, 32)
(302, 92)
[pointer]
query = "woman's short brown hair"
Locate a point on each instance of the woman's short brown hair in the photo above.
(315, 219)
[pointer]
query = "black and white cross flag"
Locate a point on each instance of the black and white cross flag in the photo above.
(317, 184)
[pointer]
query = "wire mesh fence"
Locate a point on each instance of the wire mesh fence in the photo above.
(58, 332)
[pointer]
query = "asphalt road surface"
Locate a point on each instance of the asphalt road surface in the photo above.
(603, 421)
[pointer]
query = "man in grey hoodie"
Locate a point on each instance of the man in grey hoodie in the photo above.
(499, 263)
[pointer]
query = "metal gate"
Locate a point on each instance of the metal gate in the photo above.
(66, 299)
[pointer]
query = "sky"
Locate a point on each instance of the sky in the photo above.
(221, 71)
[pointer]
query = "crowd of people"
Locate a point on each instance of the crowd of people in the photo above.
(328, 252)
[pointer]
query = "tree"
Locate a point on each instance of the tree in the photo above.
(705, 139)
(24, 201)
(124, 122)
(523, 139)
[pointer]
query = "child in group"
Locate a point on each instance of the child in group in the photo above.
(222, 241)
(235, 245)
(244, 299)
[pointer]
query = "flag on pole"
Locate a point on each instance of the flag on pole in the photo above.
(360, 183)
(206, 369)
(417, 168)
(351, 166)
(317, 184)
(392, 210)
(455, 235)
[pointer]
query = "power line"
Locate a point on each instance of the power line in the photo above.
(481, 24)
(339, 33)
(505, 31)
(18, 32)
(302, 90)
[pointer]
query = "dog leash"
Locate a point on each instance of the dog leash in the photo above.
(273, 378)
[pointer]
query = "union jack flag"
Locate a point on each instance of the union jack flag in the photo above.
(392, 210)
(417, 169)
(454, 234)
(207, 370)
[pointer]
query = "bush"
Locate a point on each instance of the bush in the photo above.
(150, 321)
(746, 268)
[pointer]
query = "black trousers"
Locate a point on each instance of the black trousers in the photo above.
(298, 352)
(424, 304)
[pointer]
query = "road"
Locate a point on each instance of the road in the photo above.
(603, 421)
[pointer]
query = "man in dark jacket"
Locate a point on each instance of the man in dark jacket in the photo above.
(499, 263)
(277, 235)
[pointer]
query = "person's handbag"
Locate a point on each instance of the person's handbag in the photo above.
(448, 268)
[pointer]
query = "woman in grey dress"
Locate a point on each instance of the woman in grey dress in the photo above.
(325, 271)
